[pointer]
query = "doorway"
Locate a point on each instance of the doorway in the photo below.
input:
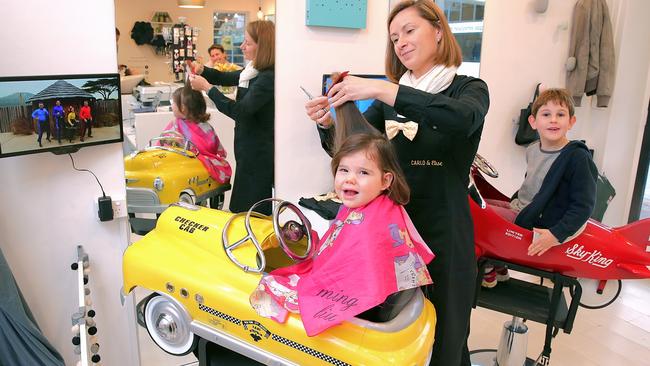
(640, 207)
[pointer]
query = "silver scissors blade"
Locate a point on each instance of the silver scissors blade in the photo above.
(306, 92)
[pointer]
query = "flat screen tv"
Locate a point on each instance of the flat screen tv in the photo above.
(361, 104)
(58, 113)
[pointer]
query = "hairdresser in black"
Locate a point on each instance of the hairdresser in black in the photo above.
(434, 119)
(253, 112)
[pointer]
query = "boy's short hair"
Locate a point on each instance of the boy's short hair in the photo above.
(559, 96)
(216, 47)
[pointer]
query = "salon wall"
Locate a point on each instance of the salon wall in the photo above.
(520, 49)
(303, 54)
(47, 207)
(130, 11)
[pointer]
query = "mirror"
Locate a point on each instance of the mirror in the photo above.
(157, 176)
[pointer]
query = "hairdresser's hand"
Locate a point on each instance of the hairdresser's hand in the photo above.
(318, 110)
(199, 83)
(545, 241)
(195, 67)
(356, 88)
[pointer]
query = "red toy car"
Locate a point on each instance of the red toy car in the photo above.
(599, 253)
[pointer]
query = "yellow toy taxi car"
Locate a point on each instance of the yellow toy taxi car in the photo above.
(203, 264)
(168, 171)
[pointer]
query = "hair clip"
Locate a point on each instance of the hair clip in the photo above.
(338, 80)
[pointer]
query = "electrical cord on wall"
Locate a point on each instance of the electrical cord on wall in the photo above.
(104, 203)
(87, 170)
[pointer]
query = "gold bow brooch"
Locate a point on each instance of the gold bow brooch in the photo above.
(409, 129)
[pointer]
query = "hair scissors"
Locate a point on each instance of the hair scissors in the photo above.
(307, 93)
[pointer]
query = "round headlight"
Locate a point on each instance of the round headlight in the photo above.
(158, 184)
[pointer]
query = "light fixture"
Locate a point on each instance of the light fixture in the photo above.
(260, 13)
(192, 4)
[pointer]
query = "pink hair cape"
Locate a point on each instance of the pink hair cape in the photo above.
(367, 254)
(211, 153)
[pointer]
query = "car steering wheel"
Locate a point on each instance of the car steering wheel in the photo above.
(290, 231)
(484, 166)
(177, 139)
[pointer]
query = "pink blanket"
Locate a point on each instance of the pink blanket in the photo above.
(211, 153)
(367, 254)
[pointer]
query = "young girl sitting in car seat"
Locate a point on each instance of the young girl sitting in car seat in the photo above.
(369, 252)
(192, 122)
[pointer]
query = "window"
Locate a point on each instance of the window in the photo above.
(229, 31)
(466, 21)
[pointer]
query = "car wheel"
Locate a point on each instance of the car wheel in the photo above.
(168, 324)
(592, 299)
(187, 198)
(217, 201)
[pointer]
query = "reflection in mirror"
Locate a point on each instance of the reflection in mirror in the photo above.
(161, 172)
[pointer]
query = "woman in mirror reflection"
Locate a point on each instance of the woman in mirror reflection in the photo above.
(434, 119)
(253, 112)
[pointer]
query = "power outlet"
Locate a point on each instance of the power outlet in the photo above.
(119, 208)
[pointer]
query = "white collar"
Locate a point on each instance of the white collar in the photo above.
(437, 79)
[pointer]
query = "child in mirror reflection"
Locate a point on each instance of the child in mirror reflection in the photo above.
(191, 121)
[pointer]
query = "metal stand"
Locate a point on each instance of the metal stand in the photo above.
(525, 300)
(514, 343)
(84, 329)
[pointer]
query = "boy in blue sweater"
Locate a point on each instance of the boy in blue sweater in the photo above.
(558, 194)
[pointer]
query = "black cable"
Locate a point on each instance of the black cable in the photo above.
(86, 170)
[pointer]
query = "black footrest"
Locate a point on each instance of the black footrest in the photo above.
(523, 299)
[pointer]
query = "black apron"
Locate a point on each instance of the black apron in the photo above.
(436, 164)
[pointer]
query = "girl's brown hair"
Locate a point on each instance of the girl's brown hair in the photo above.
(350, 121)
(449, 52)
(263, 33)
(191, 103)
(380, 150)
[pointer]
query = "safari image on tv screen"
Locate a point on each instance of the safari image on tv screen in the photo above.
(58, 113)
